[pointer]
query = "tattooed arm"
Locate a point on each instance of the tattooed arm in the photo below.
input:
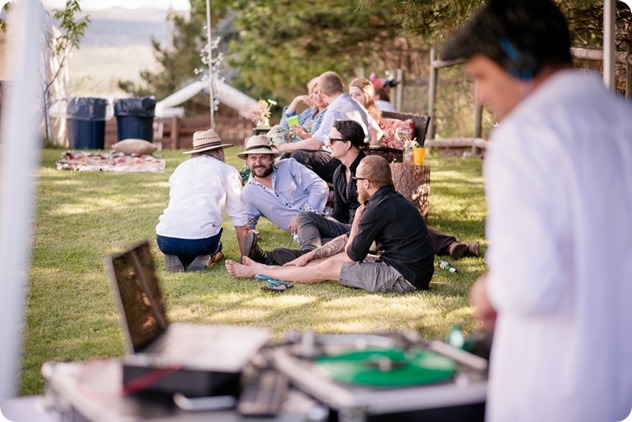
(331, 248)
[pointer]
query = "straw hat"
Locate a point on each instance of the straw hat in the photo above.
(204, 141)
(259, 145)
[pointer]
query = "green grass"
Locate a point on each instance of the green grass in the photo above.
(83, 216)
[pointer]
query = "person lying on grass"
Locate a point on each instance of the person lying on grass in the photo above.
(405, 261)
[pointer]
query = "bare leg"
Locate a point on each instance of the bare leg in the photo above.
(314, 272)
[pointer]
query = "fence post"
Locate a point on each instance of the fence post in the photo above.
(399, 90)
(478, 127)
(432, 91)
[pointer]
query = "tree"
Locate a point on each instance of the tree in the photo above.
(181, 63)
(71, 31)
(273, 48)
(283, 44)
(56, 48)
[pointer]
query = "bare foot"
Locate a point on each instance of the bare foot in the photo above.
(248, 261)
(237, 270)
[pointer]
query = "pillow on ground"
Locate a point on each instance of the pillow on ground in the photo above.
(134, 146)
(395, 131)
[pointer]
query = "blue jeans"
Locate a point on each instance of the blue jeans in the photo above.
(188, 249)
(312, 228)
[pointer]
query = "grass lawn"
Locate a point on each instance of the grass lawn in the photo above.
(83, 216)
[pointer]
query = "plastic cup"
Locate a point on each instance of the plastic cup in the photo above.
(418, 155)
(292, 121)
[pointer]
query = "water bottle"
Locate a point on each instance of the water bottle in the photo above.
(446, 267)
(407, 157)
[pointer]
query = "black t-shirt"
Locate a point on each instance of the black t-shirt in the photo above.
(400, 234)
(346, 194)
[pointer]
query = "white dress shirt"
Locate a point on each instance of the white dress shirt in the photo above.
(201, 189)
(344, 107)
(558, 179)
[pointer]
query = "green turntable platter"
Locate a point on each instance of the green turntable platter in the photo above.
(387, 367)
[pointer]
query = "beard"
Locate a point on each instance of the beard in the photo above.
(363, 196)
(262, 171)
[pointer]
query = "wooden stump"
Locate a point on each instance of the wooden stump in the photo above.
(413, 182)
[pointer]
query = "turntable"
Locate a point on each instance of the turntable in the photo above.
(375, 377)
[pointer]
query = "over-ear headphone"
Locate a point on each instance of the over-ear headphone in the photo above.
(519, 64)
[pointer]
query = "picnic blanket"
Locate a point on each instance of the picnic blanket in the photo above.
(116, 162)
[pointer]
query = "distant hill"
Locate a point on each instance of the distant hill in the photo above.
(117, 45)
(118, 26)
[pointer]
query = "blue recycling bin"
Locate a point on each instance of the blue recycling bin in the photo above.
(85, 118)
(135, 118)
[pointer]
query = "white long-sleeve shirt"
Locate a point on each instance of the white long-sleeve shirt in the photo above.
(558, 179)
(201, 188)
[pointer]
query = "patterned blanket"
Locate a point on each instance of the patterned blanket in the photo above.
(117, 162)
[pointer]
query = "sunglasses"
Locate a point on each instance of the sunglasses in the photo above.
(332, 140)
(355, 179)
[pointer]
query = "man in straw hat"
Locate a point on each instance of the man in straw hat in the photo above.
(406, 260)
(558, 181)
(201, 189)
(279, 191)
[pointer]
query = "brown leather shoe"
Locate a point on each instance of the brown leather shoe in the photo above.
(252, 250)
(473, 248)
(457, 249)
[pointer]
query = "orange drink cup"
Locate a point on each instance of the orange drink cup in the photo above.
(418, 155)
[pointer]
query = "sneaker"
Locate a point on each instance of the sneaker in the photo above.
(457, 249)
(173, 264)
(252, 250)
(473, 248)
(284, 255)
(199, 263)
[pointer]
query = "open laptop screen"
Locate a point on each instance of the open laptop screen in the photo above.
(139, 294)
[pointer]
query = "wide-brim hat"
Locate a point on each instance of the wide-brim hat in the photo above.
(205, 141)
(259, 144)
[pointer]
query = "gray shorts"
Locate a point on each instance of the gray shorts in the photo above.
(373, 276)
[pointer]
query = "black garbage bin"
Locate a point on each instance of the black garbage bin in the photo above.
(85, 117)
(135, 118)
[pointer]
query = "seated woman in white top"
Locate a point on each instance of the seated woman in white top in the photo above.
(201, 190)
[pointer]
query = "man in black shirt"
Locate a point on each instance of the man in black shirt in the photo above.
(406, 258)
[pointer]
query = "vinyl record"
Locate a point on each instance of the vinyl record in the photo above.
(387, 367)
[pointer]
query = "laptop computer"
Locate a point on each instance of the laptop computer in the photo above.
(209, 353)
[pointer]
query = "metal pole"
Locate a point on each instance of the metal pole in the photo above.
(211, 76)
(609, 18)
(18, 138)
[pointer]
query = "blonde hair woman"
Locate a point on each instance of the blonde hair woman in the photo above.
(363, 91)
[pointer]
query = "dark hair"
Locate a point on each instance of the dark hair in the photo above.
(377, 170)
(380, 91)
(351, 131)
(521, 36)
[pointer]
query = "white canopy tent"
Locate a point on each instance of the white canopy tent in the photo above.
(223, 92)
